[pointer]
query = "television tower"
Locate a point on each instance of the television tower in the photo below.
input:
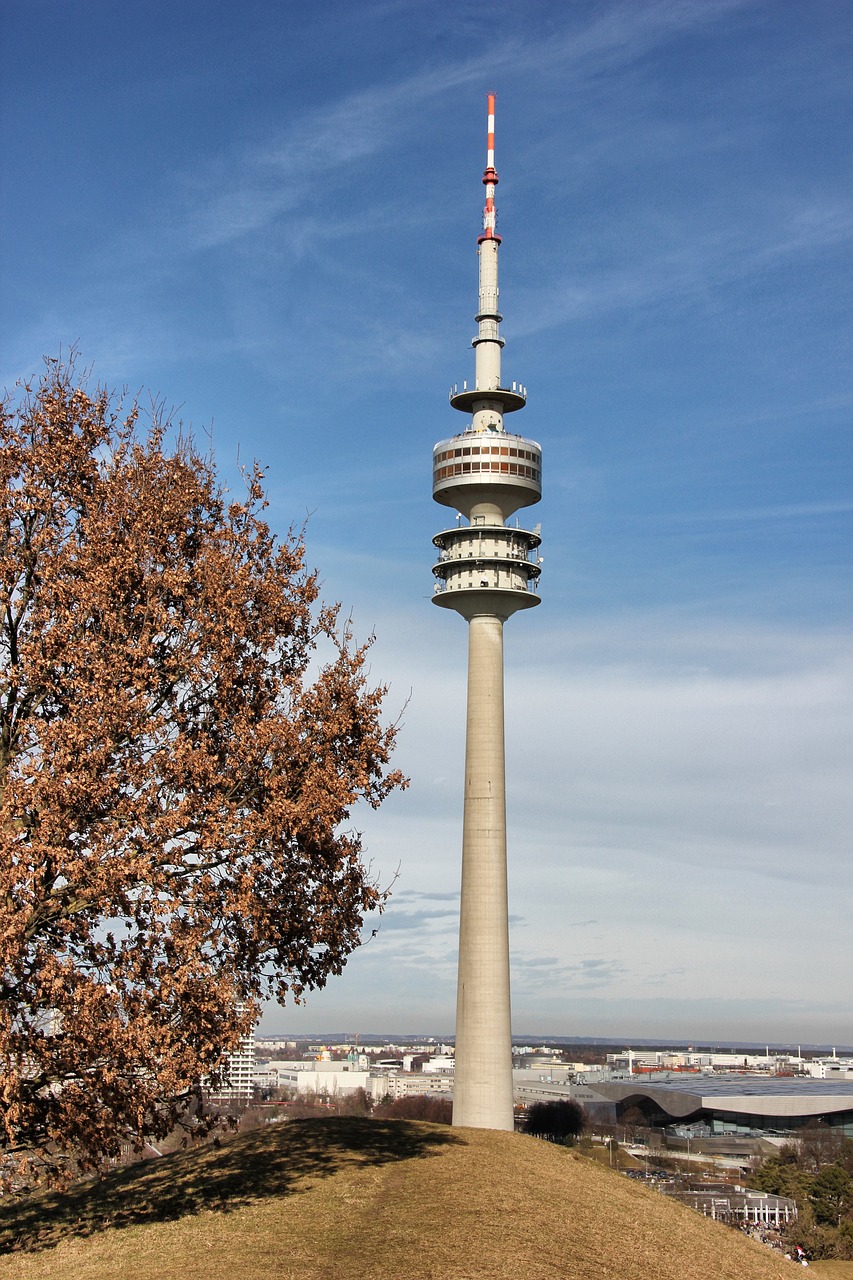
(486, 571)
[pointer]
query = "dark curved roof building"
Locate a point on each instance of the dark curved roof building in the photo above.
(729, 1103)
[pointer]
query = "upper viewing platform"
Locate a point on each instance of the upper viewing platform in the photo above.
(487, 466)
(490, 452)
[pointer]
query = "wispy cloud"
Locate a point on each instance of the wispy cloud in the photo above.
(244, 192)
(533, 974)
(319, 174)
(782, 511)
(681, 264)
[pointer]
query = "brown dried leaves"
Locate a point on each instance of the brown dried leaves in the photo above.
(172, 783)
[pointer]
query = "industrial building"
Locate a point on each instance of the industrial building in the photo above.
(712, 1105)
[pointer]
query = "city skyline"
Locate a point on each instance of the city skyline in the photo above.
(266, 217)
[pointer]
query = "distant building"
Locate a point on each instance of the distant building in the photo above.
(750, 1105)
(318, 1077)
(646, 1060)
(442, 1064)
(404, 1084)
(238, 1074)
(830, 1068)
(737, 1205)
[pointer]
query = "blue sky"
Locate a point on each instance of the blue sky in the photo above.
(266, 214)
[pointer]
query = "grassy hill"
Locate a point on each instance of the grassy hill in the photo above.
(339, 1198)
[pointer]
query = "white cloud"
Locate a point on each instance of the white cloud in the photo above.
(679, 823)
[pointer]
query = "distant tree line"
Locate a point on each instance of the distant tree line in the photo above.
(360, 1103)
(416, 1107)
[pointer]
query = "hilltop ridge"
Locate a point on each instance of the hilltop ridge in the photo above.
(326, 1199)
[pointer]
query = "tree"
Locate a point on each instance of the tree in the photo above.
(635, 1124)
(782, 1177)
(357, 1103)
(805, 1170)
(183, 733)
(559, 1121)
(818, 1144)
(830, 1194)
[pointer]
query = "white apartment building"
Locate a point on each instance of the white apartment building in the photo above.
(239, 1071)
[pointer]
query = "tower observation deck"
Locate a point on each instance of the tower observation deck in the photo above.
(486, 571)
(486, 473)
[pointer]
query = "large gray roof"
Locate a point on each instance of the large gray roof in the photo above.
(682, 1095)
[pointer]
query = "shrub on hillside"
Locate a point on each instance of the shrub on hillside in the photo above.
(560, 1121)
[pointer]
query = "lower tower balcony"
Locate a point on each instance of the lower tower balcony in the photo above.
(482, 598)
(486, 541)
(486, 569)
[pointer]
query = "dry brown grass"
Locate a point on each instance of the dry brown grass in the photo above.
(332, 1198)
(600, 1154)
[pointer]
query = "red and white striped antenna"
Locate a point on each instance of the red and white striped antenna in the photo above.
(490, 178)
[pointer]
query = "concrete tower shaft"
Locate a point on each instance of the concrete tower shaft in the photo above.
(486, 571)
(482, 1084)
